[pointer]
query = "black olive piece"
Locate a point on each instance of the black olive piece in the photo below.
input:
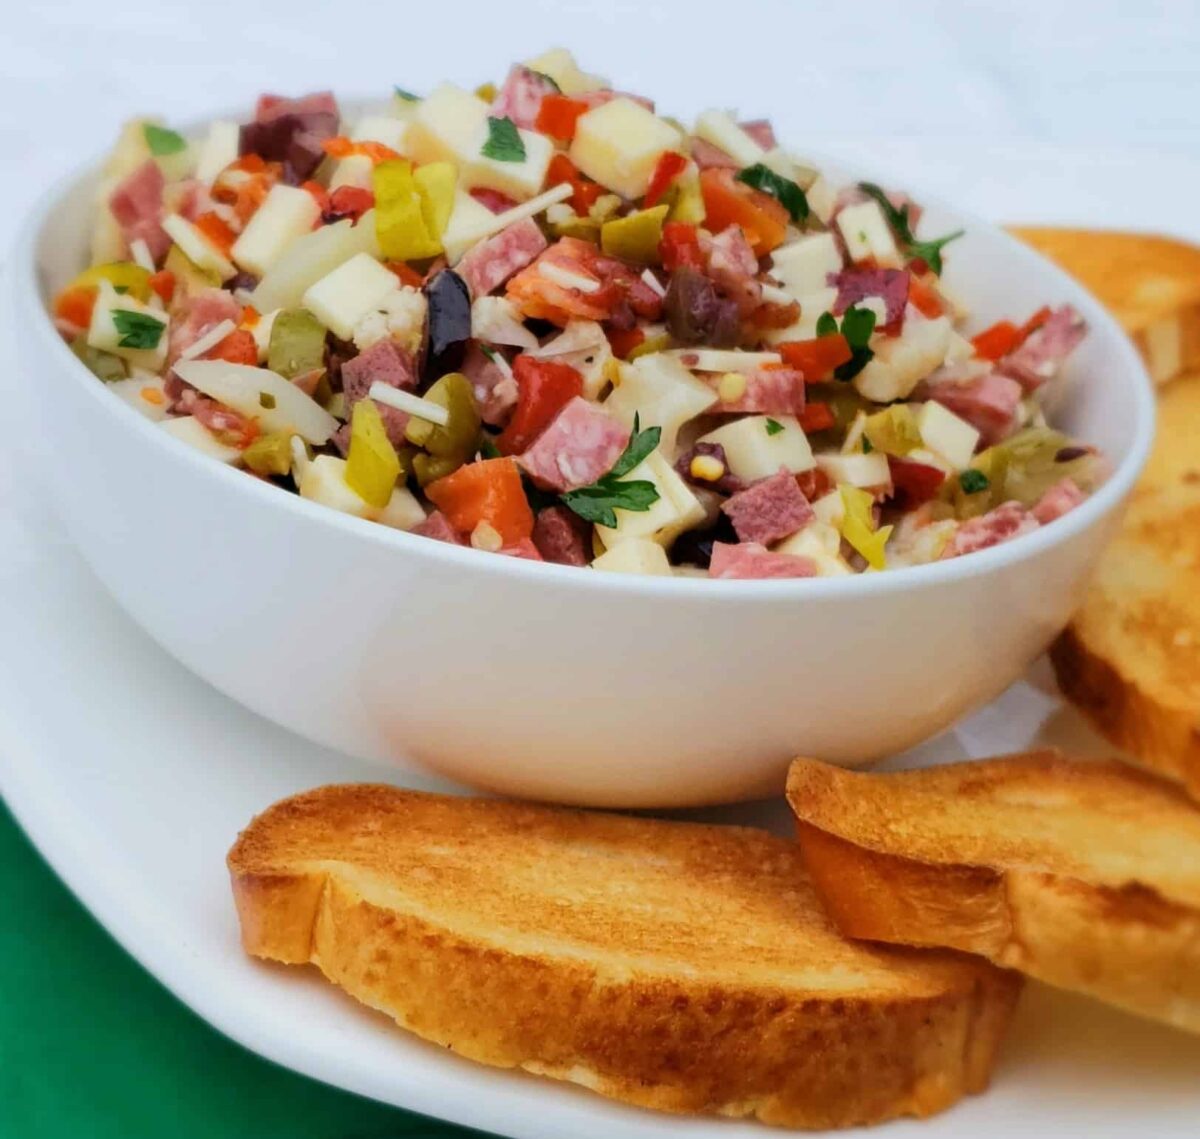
(447, 325)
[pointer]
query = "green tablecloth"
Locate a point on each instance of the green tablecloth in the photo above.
(92, 1047)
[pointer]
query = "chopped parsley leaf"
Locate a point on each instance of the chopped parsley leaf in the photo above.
(784, 190)
(162, 141)
(973, 481)
(504, 142)
(827, 324)
(867, 445)
(487, 446)
(928, 251)
(137, 329)
(774, 427)
(407, 96)
(598, 502)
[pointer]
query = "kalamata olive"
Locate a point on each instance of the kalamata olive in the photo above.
(447, 326)
(726, 483)
(694, 547)
(293, 139)
(697, 314)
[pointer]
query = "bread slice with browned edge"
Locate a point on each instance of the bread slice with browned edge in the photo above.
(1130, 659)
(1082, 874)
(675, 966)
(1150, 284)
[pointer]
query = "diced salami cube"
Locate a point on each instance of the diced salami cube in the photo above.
(1062, 497)
(707, 156)
(770, 510)
(988, 403)
(580, 445)
(137, 205)
(746, 560)
(387, 363)
(889, 285)
(562, 536)
(732, 265)
(762, 132)
(1006, 522)
(487, 265)
(437, 526)
(1045, 350)
(773, 390)
(495, 389)
(521, 97)
(523, 549)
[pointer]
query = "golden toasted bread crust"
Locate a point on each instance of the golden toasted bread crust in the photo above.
(957, 875)
(569, 972)
(1150, 284)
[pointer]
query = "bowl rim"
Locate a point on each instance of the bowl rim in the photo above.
(27, 300)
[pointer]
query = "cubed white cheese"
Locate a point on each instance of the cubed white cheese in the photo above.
(124, 326)
(353, 170)
(637, 555)
(947, 434)
(107, 240)
(262, 333)
(822, 198)
(324, 480)
(619, 143)
(856, 470)
(902, 362)
(340, 299)
(812, 306)
(959, 348)
(867, 234)
(446, 125)
(191, 431)
(830, 508)
(385, 129)
(472, 226)
(218, 150)
(144, 395)
(198, 249)
(560, 65)
(803, 266)
(821, 542)
(403, 511)
(311, 257)
(287, 212)
(753, 452)
(676, 510)
(661, 392)
(518, 180)
(721, 130)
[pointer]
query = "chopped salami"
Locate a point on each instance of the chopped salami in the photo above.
(1045, 349)
(562, 536)
(523, 549)
(1006, 522)
(494, 200)
(137, 205)
(487, 265)
(708, 157)
(749, 560)
(1062, 497)
(731, 264)
(989, 402)
(762, 132)
(580, 445)
(772, 390)
(770, 510)
(387, 363)
(437, 526)
(495, 389)
(193, 317)
(521, 97)
(889, 285)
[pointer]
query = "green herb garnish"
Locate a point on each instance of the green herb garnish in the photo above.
(266, 400)
(867, 446)
(136, 329)
(162, 141)
(504, 142)
(857, 326)
(598, 502)
(407, 96)
(784, 190)
(774, 427)
(827, 324)
(487, 446)
(928, 251)
(973, 481)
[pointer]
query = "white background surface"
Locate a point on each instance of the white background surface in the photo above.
(941, 81)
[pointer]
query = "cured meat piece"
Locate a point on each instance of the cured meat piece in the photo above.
(770, 510)
(746, 560)
(580, 445)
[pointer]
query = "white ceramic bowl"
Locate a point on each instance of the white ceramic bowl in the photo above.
(545, 681)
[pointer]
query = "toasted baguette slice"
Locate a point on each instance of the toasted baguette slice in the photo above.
(675, 966)
(1131, 657)
(1082, 874)
(1150, 284)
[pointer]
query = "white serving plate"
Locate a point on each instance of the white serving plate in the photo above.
(133, 778)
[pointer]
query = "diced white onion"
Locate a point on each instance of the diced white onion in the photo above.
(406, 401)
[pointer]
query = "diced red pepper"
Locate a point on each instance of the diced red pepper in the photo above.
(238, 347)
(924, 298)
(1035, 322)
(544, 388)
(217, 231)
(557, 116)
(74, 306)
(163, 283)
(817, 358)
(488, 491)
(914, 483)
(584, 191)
(622, 341)
(729, 202)
(814, 483)
(816, 417)
(407, 274)
(348, 202)
(669, 166)
(998, 341)
(680, 247)
(341, 147)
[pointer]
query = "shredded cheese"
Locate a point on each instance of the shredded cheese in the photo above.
(529, 209)
(653, 282)
(140, 252)
(567, 279)
(406, 401)
(209, 340)
(776, 296)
